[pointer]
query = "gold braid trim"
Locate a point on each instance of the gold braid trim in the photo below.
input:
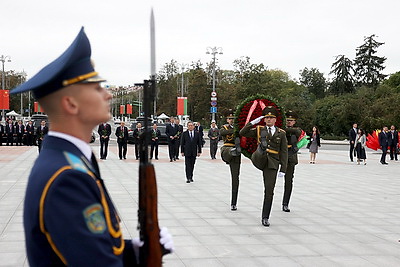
(114, 233)
(41, 212)
(79, 78)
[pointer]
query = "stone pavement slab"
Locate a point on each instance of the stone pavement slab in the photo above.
(342, 214)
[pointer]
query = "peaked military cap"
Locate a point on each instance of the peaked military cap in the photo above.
(270, 111)
(291, 115)
(73, 66)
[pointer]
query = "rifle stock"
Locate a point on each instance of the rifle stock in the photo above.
(151, 252)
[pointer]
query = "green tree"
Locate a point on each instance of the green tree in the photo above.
(368, 66)
(315, 81)
(343, 82)
(167, 88)
(394, 81)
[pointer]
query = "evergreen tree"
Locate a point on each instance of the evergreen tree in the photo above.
(343, 82)
(368, 66)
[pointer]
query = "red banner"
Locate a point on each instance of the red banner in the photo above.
(37, 107)
(4, 99)
(122, 109)
(181, 106)
(128, 109)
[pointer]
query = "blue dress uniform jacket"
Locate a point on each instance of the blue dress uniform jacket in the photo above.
(69, 218)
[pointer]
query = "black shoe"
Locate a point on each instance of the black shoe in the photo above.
(265, 222)
(174, 159)
(191, 180)
(156, 158)
(170, 160)
(233, 207)
(124, 157)
(187, 181)
(177, 158)
(285, 208)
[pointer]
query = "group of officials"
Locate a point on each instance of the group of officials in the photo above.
(389, 139)
(19, 134)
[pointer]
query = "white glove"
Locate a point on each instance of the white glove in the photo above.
(137, 244)
(255, 121)
(166, 240)
(281, 174)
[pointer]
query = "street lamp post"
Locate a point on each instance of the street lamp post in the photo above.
(213, 51)
(3, 59)
(182, 87)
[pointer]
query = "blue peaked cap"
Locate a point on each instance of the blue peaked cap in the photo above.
(73, 66)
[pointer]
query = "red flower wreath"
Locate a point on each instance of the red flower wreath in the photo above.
(250, 109)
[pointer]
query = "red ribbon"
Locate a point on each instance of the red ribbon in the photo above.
(243, 139)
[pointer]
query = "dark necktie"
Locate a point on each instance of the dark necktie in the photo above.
(269, 131)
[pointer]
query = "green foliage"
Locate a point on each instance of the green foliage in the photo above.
(343, 82)
(315, 81)
(368, 66)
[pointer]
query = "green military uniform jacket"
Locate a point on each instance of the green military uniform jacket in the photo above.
(292, 135)
(276, 153)
(228, 136)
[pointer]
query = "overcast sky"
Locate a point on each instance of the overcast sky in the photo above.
(288, 34)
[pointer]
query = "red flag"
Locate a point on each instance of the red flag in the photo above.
(122, 109)
(37, 107)
(4, 99)
(128, 109)
(181, 106)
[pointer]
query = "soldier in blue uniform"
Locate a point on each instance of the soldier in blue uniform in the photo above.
(69, 218)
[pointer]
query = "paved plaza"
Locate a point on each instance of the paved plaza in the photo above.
(342, 214)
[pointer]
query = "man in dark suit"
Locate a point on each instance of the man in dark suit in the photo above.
(20, 129)
(190, 149)
(104, 131)
(200, 129)
(10, 132)
(136, 137)
(171, 130)
(1, 134)
(69, 217)
(352, 137)
(30, 132)
(41, 132)
(122, 140)
(155, 136)
(393, 142)
(178, 138)
(384, 143)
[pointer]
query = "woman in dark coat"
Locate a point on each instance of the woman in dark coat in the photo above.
(314, 144)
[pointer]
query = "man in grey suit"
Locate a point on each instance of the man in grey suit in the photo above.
(190, 149)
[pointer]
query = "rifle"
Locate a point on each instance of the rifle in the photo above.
(151, 252)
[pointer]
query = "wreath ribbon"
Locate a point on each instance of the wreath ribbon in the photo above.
(243, 139)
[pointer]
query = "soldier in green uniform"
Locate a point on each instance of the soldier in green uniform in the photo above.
(271, 152)
(292, 135)
(231, 154)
